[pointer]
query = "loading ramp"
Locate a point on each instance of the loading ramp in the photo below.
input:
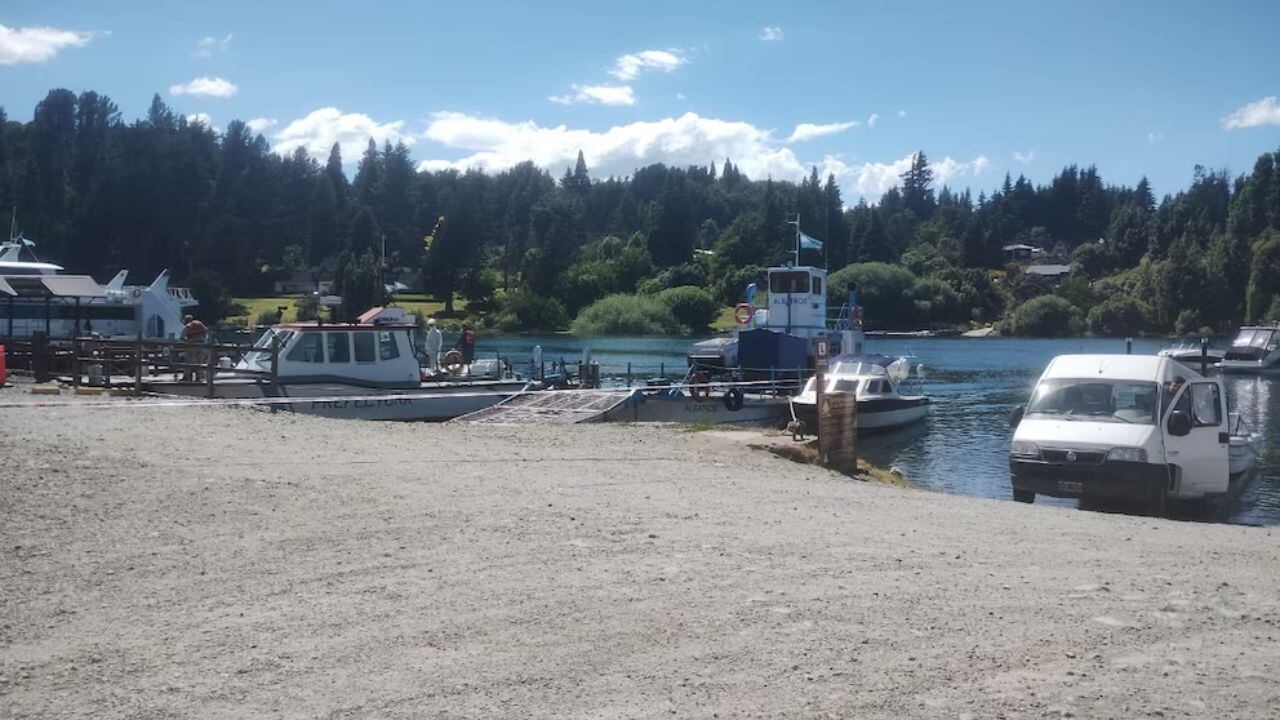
(550, 407)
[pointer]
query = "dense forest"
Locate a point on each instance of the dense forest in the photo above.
(658, 251)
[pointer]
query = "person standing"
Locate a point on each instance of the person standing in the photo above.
(435, 341)
(194, 332)
(466, 344)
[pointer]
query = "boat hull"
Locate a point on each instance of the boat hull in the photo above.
(873, 415)
(346, 402)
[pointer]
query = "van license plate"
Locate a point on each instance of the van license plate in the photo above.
(1074, 487)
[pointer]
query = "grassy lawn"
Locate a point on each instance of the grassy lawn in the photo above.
(420, 305)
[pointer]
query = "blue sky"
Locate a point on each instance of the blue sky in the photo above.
(852, 87)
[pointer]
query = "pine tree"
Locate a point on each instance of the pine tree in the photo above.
(917, 191)
(364, 191)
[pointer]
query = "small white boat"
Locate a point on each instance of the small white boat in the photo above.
(1244, 447)
(876, 380)
(1256, 349)
(1191, 354)
(360, 372)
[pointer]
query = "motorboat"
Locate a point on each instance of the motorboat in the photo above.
(877, 381)
(1256, 349)
(365, 372)
(1244, 446)
(1192, 354)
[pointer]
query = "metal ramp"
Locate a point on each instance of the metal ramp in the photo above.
(549, 407)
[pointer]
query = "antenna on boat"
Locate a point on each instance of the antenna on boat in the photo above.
(13, 224)
(796, 222)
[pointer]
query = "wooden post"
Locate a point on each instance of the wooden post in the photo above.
(40, 357)
(75, 360)
(628, 374)
(275, 359)
(210, 366)
(47, 320)
(820, 368)
(137, 365)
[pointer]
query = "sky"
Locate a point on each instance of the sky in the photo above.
(852, 88)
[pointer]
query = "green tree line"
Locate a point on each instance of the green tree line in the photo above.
(527, 251)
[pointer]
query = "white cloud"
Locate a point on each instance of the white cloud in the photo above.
(809, 131)
(258, 125)
(872, 119)
(629, 66)
(680, 96)
(318, 131)
(771, 33)
(210, 44)
(1024, 158)
(902, 113)
(1155, 137)
(1255, 114)
(948, 168)
(206, 87)
(601, 94)
(202, 118)
(38, 44)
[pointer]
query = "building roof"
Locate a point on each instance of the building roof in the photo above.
(1019, 246)
(1049, 270)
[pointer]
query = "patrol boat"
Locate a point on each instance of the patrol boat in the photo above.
(876, 381)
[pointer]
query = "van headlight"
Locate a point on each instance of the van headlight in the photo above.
(1024, 448)
(1127, 454)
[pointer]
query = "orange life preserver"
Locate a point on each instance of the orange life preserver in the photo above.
(743, 312)
(698, 387)
(452, 361)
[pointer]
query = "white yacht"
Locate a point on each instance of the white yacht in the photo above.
(364, 372)
(36, 297)
(877, 381)
(1256, 349)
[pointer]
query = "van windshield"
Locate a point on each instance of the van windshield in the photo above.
(1122, 401)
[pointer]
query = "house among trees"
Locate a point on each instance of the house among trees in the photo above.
(302, 283)
(1053, 273)
(1020, 251)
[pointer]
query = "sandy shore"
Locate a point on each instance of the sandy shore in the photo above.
(230, 563)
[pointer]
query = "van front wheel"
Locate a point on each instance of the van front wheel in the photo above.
(1023, 496)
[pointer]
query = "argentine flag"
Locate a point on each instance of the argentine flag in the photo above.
(809, 243)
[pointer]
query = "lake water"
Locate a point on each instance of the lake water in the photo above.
(963, 447)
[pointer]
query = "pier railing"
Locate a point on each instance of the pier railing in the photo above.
(107, 360)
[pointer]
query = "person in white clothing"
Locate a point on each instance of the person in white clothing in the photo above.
(435, 341)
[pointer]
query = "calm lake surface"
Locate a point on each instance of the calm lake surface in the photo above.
(963, 447)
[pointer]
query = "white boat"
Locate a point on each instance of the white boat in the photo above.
(363, 372)
(36, 297)
(1256, 350)
(1191, 354)
(1244, 446)
(876, 380)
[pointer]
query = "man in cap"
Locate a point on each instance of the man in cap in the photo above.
(435, 340)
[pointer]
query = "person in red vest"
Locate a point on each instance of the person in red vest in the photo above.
(194, 331)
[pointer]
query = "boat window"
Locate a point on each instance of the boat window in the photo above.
(1206, 405)
(846, 385)
(307, 349)
(338, 346)
(387, 349)
(810, 386)
(875, 387)
(363, 342)
(1124, 401)
(789, 282)
(817, 286)
(1245, 338)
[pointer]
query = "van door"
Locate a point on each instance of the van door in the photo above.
(1202, 453)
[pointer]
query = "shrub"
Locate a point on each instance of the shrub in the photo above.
(729, 289)
(1045, 316)
(691, 306)
(935, 302)
(883, 291)
(525, 310)
(1119, 316)
(627, 315)
(308, 308)
(1190, 323)
(268, 317)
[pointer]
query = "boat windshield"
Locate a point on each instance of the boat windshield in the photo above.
(1122, 401)
(261, 352)
(1255, 337)
(858, 368)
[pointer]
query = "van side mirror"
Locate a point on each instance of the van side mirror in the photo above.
(1179, 424)
(1015, 416)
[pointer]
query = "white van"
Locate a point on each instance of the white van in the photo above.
(1133, 427)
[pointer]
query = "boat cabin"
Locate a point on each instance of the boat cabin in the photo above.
(1254, 342)
(368, 355)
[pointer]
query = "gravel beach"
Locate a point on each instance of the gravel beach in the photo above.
(233, 563)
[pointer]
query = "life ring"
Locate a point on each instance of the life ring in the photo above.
(743, 312)
(452, 362)
(733, 399)
(698, 387)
